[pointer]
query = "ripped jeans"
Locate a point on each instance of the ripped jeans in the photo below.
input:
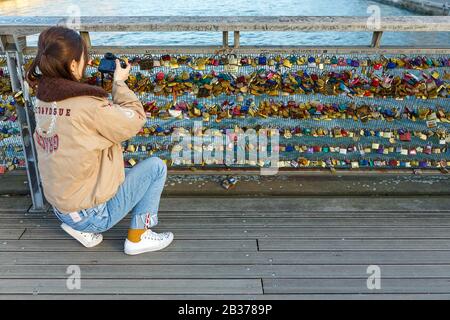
(139, 194)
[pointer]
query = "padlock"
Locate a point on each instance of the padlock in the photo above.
(147, 63)
(132, 162)
(406, 136)
(233, 64)
(435, 75)
(262, 60)
(312, 62)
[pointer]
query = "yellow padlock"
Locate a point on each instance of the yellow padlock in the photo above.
(131, 148)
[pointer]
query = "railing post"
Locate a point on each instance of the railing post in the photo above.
(225, 39)
(27, 124)
(376, 39)
(236, 39)
(87, 39)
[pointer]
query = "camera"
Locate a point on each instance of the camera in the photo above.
(108, 63)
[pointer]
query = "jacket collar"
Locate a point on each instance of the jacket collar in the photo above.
(56, 89)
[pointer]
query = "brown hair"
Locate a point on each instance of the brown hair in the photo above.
(57, 47)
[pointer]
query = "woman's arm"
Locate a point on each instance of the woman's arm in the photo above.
(125, 116)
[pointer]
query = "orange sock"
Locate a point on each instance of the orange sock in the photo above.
(134, 235)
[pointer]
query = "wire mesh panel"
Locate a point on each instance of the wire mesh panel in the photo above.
(11, 149)
(346, 111)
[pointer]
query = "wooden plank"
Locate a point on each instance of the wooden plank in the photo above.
(32, 25)
(15, 203)
(354, 286)
(132, 286)
(258, 214)
(353, 244)
(16, 183)
(335, 257)
(303, 204)
(25, 215)
(117, 245)
(268, 49)
(332, 204)
(244, 297)
(217, 271)
(262, 233)
(11, 234)
(220, 222)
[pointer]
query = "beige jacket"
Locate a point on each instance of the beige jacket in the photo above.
(80, 155)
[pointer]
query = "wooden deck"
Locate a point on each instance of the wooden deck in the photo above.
(241, 248)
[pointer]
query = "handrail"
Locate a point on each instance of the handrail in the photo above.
(30, 25)
(13, 31)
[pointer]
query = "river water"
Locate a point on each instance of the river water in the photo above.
(226, 8)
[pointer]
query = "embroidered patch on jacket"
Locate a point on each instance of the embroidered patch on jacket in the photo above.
(48, 144)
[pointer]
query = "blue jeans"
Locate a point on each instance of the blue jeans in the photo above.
(139, 194)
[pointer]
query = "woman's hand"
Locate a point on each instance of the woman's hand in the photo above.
(121, 73)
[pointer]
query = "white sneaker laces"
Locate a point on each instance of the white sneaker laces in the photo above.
(150, 235)
(90, 236)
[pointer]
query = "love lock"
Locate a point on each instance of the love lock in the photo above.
(229, 183)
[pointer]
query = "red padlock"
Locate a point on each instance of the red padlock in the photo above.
(375, 82)
(393, 163)
(377, 66)
(160, 76)
(317, 148)
(405, 136)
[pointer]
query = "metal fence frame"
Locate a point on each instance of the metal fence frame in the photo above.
(13, 32)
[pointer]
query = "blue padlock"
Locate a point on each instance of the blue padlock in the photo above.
(423, 164)
(391, 65)
(262, 60)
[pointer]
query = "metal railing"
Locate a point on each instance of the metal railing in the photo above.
(14, 30)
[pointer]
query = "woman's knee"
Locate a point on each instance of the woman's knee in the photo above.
(157, 166)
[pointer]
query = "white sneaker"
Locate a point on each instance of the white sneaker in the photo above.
(88, 240)
(150, 241)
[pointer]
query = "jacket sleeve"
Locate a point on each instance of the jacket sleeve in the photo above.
(122, 119)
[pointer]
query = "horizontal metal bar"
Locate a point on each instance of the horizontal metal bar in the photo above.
(258, 49)
(302, 172)
(32, 25)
